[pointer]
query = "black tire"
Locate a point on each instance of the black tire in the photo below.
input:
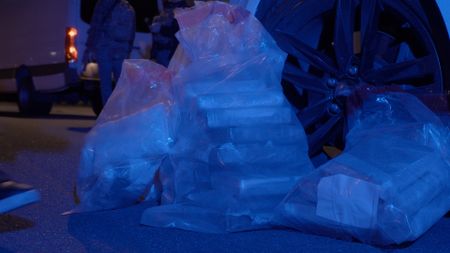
(399, 45)
(27, 97)
(441, 38)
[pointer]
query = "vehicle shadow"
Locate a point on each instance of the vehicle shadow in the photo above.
(79, 129)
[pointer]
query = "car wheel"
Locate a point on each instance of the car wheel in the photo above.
(27, 97)
(337, 46)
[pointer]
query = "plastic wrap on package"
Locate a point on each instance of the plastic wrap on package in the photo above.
(129, 141)
(239, 147)
(390, 184)
(142, 84)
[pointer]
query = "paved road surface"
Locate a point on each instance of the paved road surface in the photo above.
(45, 152)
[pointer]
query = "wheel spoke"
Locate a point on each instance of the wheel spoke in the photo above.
(402, 71)
(370, 12)
(343, 32)
(388, 46)
(304, 80)
(323, 133)
(299, 49)
(429, 89)
(313, 113)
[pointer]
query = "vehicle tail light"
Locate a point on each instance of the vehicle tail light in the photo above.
(70, 47)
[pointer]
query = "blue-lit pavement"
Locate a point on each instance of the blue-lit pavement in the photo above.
(44, 152)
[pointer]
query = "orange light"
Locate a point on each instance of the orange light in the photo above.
(72, 32)
(71, 49)
(73, 52)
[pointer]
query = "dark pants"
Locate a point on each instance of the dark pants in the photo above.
(108, 67)
(3, 177)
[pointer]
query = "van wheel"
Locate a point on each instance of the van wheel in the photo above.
(27, 97)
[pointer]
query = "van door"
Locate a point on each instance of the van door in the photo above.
(31, 33)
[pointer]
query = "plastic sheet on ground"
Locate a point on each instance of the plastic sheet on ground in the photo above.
(239, 147)
(390, 184)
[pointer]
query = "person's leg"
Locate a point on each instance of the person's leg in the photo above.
(105, 72)
(117, 68)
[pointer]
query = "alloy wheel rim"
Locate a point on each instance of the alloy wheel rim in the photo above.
(370, 43)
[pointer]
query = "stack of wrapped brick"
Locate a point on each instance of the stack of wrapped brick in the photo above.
(390, 184)
(239, 146)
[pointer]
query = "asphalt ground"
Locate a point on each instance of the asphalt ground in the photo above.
(45, 152)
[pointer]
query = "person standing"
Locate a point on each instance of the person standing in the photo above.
(163, 29)
(110, 41)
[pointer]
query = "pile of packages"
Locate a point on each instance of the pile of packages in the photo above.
(211, 139)
(390, 184)
(213, 143)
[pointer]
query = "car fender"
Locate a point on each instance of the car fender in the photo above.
(444, 7)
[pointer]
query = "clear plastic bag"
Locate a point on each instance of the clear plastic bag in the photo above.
(212, 139)
(239, 147)
(129, 141)
(390, 184)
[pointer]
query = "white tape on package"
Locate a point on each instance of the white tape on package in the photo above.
(249, 116)
(257, 154)
(236, 100)
(348, 200)
(224, 87)
(292, 133)
(424, 188)
(252, 186)
(255, 186)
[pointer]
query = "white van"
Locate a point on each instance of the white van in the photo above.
(42, 45)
